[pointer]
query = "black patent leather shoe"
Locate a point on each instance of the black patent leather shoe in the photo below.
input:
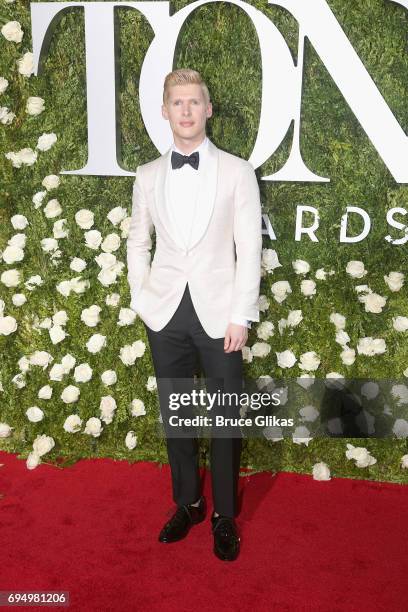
(182, 520)
(226, 538)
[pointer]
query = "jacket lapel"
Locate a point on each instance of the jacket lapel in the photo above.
(207, 192)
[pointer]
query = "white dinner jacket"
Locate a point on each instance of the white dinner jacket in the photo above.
(222, 264)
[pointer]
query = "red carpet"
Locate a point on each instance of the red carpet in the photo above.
(91, 529)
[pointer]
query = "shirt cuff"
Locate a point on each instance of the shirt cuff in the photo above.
(240, 321)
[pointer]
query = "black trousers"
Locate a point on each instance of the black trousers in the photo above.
(177, 349)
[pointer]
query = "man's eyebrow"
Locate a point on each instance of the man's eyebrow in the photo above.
(176, 99)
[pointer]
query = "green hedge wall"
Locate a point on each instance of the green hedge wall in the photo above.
(219, 41)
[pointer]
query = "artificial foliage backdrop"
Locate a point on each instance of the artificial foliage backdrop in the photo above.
(218, 40)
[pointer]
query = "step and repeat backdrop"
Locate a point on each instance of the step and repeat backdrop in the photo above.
(314, 94)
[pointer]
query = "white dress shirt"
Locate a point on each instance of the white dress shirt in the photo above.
(182, 184)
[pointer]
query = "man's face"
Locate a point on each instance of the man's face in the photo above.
(187, 111)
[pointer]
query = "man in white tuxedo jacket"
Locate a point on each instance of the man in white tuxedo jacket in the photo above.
(200, 292)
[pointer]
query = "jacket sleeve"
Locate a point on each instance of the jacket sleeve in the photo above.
(248, 244)
(139, 241)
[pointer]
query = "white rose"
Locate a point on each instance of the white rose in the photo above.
(265, 330)
(68, 362)
(51, 181)
(126, 316)
(18, 299)
(334, 380)
(59, 229)
(404, 462)
(90, 316)
(342, 337)
(309, 361)
(60, 317)
(112, 299)
(8, 325)
(151, 384)
(33, 460)
(131, 440)
(373, 302)
(70, 394)
(301, 266)
(247, 355)
(361, 456)
(348, 356)
(26, 64)
(125, 226)
(139, 348)
(5, 430)
(394, 280)
(6, 116)
(260, 349)
(137, 408)
(11, 278)
(73, 423)
(3, 84)
(400, 393)
(93, 427)
(84, 218)
(263, 303)
(305, 380)
(370, 390)
(321, 471)
(301, 435)
(286, 359)
(93, 239)
(24, 364)
(400, 428)
(78, 285)
(270, 260)
(400, 324)
(274, 434)
(111, 243)
(294, 318)
(11, 254)
(43, 444)
(45, 392)
(38, 198)
(12, 31)
(95, 343)
(128, 354)
(309, 413)
(371, 346)
(49, 244)
(107, 276)
(52, 209)
(57, 334)
(109, 377)
(321, 274)
(35, 105)
(77, 264)
(41, 358)
(18, 239)
(107, 407)
(34, 414)
(116, 215)
(57, 372)
(83, 373)
(27, 156)
(33, 281)
(46, 141)
(308, 287)
(356, 269)
(280, 290)
(338, 320)
(105, 260)
(19, 381)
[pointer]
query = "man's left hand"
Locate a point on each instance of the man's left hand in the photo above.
(235, 337)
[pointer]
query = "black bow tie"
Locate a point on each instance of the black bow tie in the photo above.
(178, 160)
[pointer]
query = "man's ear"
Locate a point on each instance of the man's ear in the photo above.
(209, 110)
(164, 111)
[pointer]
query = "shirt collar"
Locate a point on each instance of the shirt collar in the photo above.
(201, 147)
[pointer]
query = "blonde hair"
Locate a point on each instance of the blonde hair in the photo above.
(184, 76)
